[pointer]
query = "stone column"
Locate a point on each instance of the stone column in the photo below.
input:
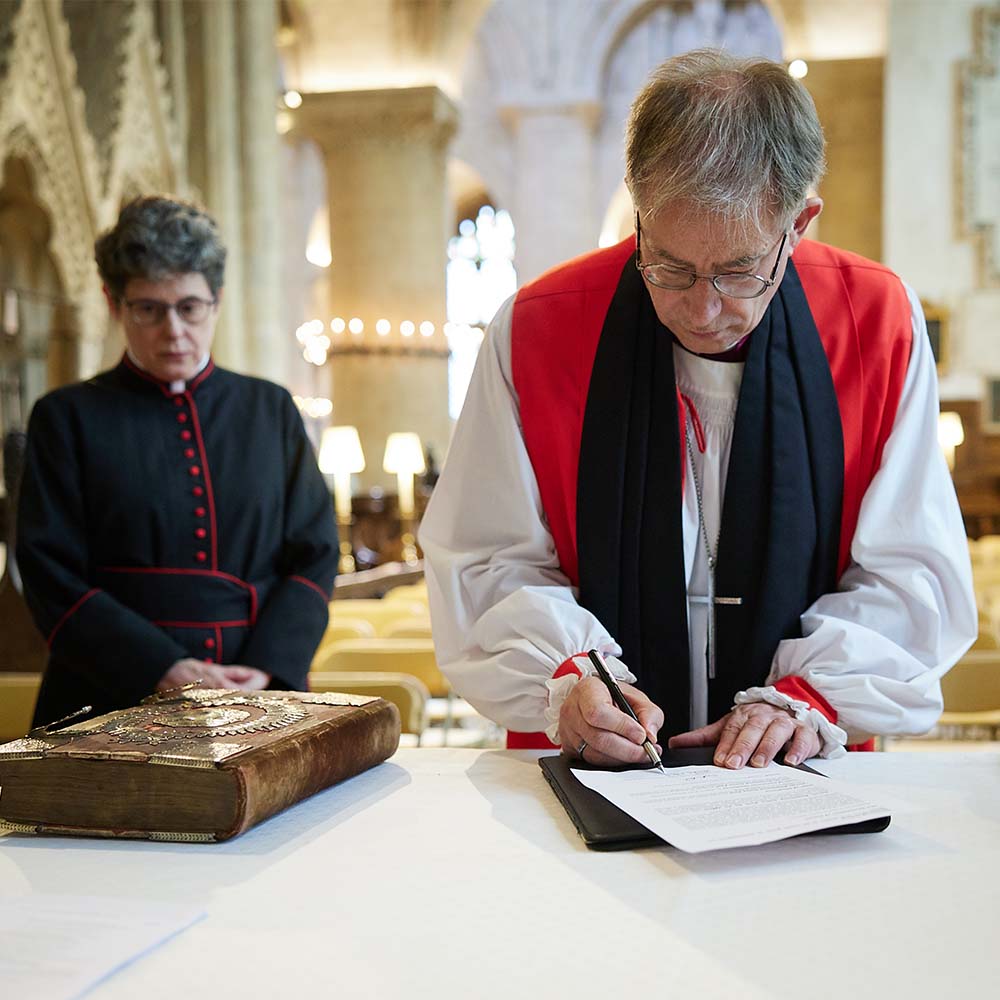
(172, 42)
(264, 339)
(554, 198)
(214, 155)
(848, 95)
(385, 154)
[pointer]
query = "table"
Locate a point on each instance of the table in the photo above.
(456, 873)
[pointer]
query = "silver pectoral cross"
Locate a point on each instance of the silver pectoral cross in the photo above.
(713, 602)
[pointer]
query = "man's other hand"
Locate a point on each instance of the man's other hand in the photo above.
(588, 714)
(753, 734)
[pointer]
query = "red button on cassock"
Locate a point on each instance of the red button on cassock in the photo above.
(200, 556)
(189, 452)
(195, 470)
(185, 435)
(199, 512)
(182, 418)
(200, 532)
(209, 644)
(197, 491)
(178, 400)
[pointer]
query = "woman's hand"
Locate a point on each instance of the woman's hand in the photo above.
(230, 676)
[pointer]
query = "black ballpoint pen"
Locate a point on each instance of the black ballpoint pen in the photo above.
(619, 699)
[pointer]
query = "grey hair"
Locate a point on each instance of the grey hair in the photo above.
(156, 237)
(738, 138)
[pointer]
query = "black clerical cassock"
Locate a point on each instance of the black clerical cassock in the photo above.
(157, 525)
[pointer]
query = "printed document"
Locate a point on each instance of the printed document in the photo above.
(706, 808)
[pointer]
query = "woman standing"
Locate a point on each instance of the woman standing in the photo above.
(173, 524)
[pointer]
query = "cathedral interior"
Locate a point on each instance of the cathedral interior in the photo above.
(386, 174)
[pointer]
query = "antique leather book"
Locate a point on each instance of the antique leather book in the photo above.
(191, 765)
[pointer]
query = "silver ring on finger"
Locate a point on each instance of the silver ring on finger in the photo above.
(581, 748)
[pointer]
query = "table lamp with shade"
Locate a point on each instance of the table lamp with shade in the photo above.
(951, 434)
(340, 455)
(404, 456)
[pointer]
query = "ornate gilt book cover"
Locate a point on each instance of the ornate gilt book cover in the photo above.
(191, 765)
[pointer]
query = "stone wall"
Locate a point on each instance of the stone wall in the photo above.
(926, 238)
(848, 96)
(104, 101)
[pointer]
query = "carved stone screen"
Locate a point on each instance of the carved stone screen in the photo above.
(978, 171)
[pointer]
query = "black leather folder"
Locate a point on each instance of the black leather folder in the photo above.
(604, 827)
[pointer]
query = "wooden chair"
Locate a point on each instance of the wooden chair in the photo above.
(403, 656)
(18, 694)
(348, 628)
(987, 551)
(408, 592)
(986, 639)
(379, 614)
(342, 630)
(972, 692)
(406, 656)
(409, 694)
(409, 628)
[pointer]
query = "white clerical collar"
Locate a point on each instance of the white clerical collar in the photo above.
(178, 384)
(698, 374)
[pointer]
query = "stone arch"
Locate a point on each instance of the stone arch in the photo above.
(589, 65)
(43, 122)
(39, 318)
(99, 46)
(80, 321)
(467, 190)
(745, 27)
(35, 353)
(483, 141)
(645, 33)
(144, 150)
(46, 141)
(546, 92)
(506, 50)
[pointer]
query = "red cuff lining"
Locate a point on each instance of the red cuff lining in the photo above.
(867, 747)
(568, 667)
(529, 741)
(539, 741)
(797, 688)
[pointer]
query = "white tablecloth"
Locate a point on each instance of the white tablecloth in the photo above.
(456, 873)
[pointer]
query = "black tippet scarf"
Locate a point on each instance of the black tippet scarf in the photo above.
(780, 517)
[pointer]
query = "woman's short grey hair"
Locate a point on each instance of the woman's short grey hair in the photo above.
(738, 138)
(155, 238)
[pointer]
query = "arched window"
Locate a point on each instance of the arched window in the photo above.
(481, 277)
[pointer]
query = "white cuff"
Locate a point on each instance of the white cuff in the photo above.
(832, 737)
(560, 687)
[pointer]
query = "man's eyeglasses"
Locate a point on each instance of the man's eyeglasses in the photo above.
(738, 285)
(152, 312)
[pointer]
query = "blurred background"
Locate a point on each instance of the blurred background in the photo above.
(386, 173)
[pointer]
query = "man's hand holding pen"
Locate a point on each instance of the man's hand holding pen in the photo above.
(589, 720)
(617, 724)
